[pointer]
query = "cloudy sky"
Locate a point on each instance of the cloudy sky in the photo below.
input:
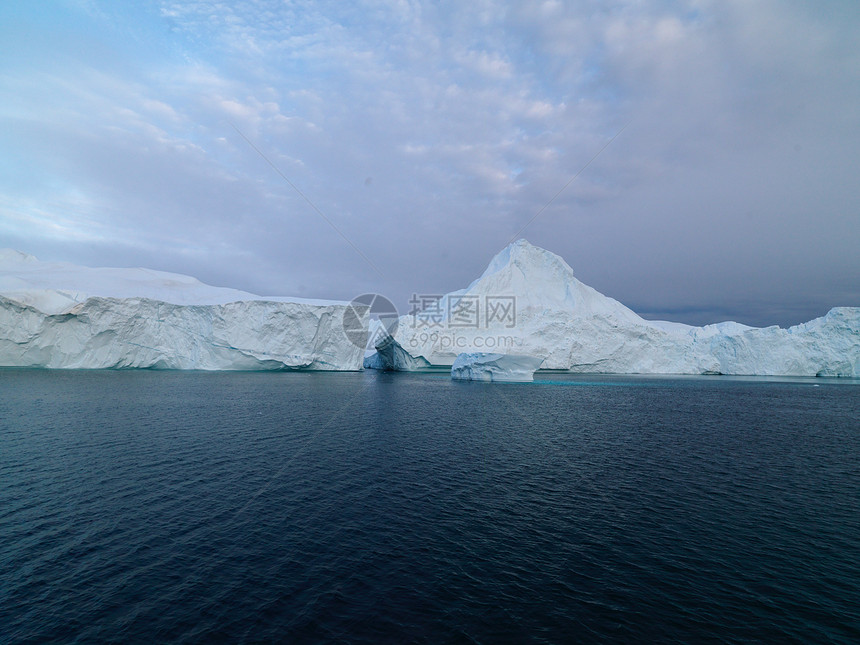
(328, 149)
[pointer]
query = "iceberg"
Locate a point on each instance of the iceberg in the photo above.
(526, 305)
(481, 366)
(60, 315)
(528, 302)
(390, 356)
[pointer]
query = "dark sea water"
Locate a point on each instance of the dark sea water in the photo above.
(374, 508)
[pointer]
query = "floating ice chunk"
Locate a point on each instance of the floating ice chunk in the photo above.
(479, 366)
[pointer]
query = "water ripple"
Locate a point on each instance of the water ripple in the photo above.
(367, 508)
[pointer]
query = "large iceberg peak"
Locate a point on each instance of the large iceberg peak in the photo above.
(539, 279)
(548, 314)
(533, 275)
(531, 261)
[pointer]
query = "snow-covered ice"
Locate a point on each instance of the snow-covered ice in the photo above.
(390, 356)
(66, 316)
(481, 366)
(528, 302)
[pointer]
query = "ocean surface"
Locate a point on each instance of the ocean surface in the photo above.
(145, 506)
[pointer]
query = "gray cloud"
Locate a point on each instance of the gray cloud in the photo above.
(729, 195)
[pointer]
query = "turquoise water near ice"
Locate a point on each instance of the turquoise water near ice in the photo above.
(141, 506)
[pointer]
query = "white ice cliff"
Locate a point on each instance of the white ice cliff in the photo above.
(481, 366)
(528, 302)
(65, 316)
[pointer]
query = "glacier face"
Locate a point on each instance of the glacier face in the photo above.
(63, 316)
(548, 314)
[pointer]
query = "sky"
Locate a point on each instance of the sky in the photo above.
(696, 160)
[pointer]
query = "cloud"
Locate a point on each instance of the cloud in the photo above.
(730, 193)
